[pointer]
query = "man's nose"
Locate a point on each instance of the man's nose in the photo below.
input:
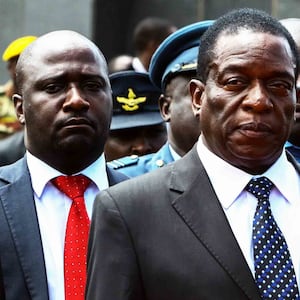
(75, 99)
(141, 146)
(258, 98)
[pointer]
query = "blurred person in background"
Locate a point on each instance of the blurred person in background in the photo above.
(147, 36)
(8, 119)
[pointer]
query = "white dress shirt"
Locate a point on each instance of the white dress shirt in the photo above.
(53, 209)
(239, 205)
(138, 66)
(174, 154)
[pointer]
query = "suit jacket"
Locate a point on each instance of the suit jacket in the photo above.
(164, 236)
(21, 253)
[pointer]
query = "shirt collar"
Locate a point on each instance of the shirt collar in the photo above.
(225, 177)
(174, 154)
(289, 144)
(41, 173)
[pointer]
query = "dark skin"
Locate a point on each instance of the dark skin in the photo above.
(247, 105)
(135, 141)
(176, 109)
(65, 100)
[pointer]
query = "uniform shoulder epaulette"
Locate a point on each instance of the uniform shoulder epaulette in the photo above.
(123, 162)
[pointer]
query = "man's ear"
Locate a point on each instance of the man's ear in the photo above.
(196, 91)
(18, 102)
(164, 107)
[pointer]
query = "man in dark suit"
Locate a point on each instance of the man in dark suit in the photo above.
(65, 104)
(185, 231)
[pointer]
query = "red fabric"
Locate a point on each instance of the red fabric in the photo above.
(76, 238)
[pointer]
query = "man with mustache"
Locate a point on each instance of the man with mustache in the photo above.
(223, 221)
(64, 102)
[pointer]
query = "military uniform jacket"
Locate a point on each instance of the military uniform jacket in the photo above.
(163, 236)
(9, 122)
(133, 166)
(21, 253)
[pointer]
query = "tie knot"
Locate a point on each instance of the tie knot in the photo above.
(72, 186)
(260, 187)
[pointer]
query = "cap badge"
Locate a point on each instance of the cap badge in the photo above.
(131, 103)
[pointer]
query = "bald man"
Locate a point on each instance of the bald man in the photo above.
(65, 105)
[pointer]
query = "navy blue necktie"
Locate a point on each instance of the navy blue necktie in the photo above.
(274, 271)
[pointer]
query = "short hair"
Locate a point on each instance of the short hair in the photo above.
(232, 22)
(150, 29)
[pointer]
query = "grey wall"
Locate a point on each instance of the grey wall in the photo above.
(114, 20)
(110, 22)
(36, 17)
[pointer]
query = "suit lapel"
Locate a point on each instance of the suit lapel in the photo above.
(202, 212)
(19, 208)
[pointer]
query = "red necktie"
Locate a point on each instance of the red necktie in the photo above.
(76, 237)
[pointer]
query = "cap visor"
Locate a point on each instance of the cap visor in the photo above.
(136, 120)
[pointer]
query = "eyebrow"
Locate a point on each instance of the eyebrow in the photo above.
(241, 68)
(63, 75)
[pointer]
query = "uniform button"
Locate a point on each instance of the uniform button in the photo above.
(160, 163)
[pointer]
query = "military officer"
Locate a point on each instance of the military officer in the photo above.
(172, 66)
(137, 127)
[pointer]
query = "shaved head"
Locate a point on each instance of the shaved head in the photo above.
(57, 41)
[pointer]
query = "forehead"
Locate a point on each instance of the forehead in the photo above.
(179, 82)
(253, 48)
(45, 60)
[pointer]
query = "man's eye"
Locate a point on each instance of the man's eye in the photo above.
(281, 85)
(53, 88)
(93, 85)
(235, 81)
(281, 88)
